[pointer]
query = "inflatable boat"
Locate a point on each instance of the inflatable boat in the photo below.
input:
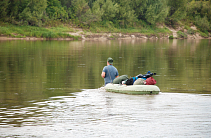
(132, 89)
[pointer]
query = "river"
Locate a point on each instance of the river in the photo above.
(54, 89)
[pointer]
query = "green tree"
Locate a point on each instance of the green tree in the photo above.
(106, 10)
(80, 10)
(3, 8)
(13, 8)
(139, 6)
(125, 14)
(90, 2)
(199, 8)
(177, 10)
(156, 12)
(66, 3)
(151, 11)
(55, 10)
(33, 12)
(203, 24)
(97, 8)
(110, 9)
(200, 13)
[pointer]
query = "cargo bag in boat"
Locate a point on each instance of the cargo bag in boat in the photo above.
(120, 79)
(150, 81)
(140, 81)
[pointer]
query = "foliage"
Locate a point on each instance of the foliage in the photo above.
(125, 14)
(202, 23)
(177, 11)
(106, 10)
(181, 34)
(151, 11)
(33, 31)
(31, 11)
(204, 34)
(82, 12)
(200, 12)
(171, 37)
(103, 27)
(3, 8)
(55, 10)
(109, 27)
(199, 8)
(190, 31)
(5, 30)
(118, 14)
(154, 11)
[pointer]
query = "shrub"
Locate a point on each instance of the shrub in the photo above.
(5, 30)
(204, 34)
(111, 36)
(202, 23)
(37, 34)
(190, 31)
(171, 37)
(19, 36)
(181, 34)
(45, 35)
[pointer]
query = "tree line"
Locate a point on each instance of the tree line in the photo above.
(119, 13)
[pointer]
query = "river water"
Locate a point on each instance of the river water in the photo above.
(54, 89)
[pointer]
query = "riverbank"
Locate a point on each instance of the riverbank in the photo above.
(70, 33)
(34, 38)
(108, 36)
(180, 32)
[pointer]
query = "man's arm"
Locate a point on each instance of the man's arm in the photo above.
(117, 74)
(103, 74)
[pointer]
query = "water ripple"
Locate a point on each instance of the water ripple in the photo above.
(111, 114)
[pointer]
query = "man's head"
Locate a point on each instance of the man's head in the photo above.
(110, 60)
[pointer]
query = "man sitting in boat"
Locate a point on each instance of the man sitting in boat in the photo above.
(109, 72)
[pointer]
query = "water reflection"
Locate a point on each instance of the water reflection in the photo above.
(94, 110)
(43, 83)
(28, 68)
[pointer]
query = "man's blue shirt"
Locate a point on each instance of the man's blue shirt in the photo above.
(110, 73)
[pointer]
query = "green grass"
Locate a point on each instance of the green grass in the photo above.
(181, 34)
(61, 30)
(204, 34)
(32, 31)
(146, 30)
(171, 37)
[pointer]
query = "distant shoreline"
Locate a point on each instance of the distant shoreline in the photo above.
(105, 36)
(34, 38)
(70, 33)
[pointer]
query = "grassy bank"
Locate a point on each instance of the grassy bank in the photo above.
(139, 27)
(15, 31)
(64, 30)
(61, 30)
(143, 30)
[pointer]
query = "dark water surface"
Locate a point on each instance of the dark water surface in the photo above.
(53, 89)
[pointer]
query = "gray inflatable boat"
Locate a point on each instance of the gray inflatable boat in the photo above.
(132, 89)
